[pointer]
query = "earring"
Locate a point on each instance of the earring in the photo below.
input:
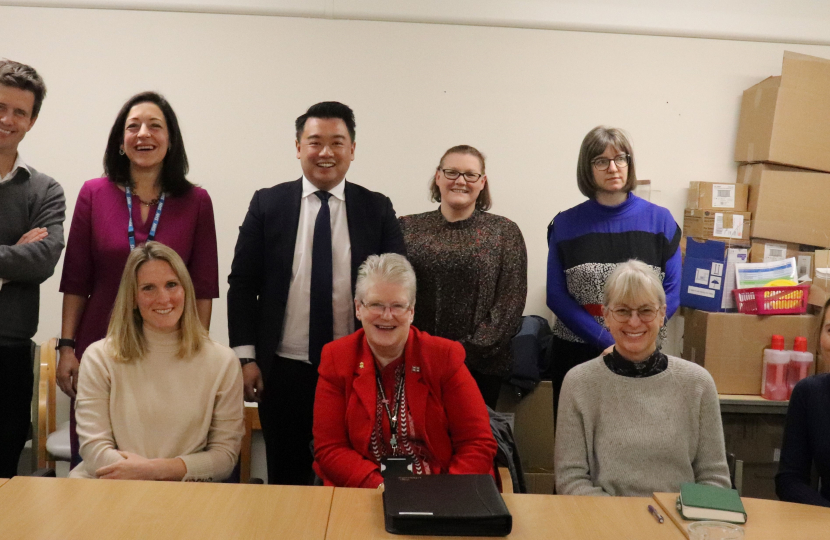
(121, 150)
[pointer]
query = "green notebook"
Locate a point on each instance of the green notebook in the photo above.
(702, 502)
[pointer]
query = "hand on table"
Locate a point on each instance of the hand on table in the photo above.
(136, 467)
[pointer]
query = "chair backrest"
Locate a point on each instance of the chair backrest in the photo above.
(43, 402)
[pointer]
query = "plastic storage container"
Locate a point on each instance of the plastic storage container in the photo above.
(772, 300)
(776, 362)
(801, 362)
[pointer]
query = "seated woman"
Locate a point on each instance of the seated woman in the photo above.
(157, 398)
(636, 421)
(392, 390)
(807, 434)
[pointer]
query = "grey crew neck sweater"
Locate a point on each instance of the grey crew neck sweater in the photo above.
(29, 200)
(622, 436)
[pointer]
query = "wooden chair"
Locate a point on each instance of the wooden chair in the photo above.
(251, 424)
(43, 410)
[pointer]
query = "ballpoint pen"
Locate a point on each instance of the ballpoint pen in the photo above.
(655, 513)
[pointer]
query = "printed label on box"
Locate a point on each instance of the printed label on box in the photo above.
(803, 262)
(775, 252)
(733, 255)
(736, 231)
(723, 196)
(717, 269)
(702, 276)
(699, 291)
(714, 282)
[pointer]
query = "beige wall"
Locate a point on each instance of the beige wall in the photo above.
(524, 97)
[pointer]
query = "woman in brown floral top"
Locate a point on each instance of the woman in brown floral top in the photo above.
(471, 268)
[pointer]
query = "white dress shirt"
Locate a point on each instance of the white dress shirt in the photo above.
(18, 164)
(294, 343)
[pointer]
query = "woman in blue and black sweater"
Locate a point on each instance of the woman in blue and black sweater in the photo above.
(588, 241)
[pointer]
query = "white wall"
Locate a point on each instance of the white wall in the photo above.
(791, 21)
(524, 97)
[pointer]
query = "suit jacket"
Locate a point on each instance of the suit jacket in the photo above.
(261, 270)
(442, 397)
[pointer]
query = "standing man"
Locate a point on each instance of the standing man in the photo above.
(292, 281)
(32, 210)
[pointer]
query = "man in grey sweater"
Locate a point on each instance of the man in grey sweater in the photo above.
(32, 210)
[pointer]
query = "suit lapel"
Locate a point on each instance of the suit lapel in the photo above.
(356, 217)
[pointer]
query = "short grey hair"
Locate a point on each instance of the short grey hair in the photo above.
(388, 268)
(631, 282)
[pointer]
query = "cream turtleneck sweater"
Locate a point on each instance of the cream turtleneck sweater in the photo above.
(161, 406)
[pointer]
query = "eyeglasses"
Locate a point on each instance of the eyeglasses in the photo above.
(645, 314)
(470, 177)
(377, 308)
(602, 163)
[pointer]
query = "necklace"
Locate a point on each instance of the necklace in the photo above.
(148, 203)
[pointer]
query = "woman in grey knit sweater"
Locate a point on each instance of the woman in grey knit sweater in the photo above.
(635, 421)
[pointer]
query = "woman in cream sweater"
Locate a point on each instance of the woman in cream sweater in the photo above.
(157, 398)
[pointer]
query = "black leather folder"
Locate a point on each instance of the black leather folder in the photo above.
(445, 505)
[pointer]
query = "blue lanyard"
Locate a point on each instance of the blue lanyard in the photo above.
(130, 229)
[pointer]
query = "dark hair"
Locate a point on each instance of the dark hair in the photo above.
(327, 109)
(593, 145)
(16, 75)
(175, 167)
(483, 202)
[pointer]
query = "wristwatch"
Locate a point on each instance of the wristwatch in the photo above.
(245, 361)
(65, 342)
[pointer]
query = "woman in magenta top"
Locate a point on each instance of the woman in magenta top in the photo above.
(145, 165)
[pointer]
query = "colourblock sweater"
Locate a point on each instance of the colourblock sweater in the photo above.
(587, 242)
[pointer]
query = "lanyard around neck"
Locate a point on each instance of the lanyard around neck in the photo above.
(393, 418)
(130, 229)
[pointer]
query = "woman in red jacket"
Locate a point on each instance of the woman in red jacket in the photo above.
(390, 390)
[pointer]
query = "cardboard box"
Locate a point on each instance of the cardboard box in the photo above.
(542, 483)
(708, 275)
(533, 425)
(789, 205)
(820, 290)
(716, 224)
(763, 250)
(731, 345)
(784, 119)
(754, 438)
(758, 481)
(717, 196)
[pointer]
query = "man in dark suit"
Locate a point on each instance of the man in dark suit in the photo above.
(292, 281)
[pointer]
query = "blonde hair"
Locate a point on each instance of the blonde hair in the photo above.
(388, 268)
(125, 334)
(631, 282)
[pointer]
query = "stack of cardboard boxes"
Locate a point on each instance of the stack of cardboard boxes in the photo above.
(784, 174)
(782, 144)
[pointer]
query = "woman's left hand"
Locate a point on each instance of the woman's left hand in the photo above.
(132, 467)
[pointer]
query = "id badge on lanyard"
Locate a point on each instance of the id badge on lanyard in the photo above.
(130, 229)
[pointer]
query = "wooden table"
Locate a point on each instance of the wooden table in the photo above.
(766, 520)
(74, 509)
(358, 514)
(3, 481)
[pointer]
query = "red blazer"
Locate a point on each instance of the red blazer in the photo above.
(441, 394)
